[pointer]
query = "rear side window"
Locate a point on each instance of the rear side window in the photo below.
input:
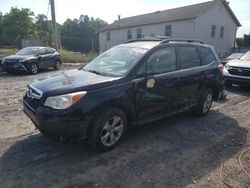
(188, 57)
(206, 56)
(161, 61)
(51, 50)
(43, 51)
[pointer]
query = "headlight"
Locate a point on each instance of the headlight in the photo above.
(21, 60)
(227, 67)
(64, 101)
(26, 59)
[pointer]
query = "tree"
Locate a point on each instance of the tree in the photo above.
(79, 34)
(43, 29)
(244, 42)
(1, 29)
(16, 25)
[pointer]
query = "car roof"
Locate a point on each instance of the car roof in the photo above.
(40, 47)
(149, 44)
(141, 44)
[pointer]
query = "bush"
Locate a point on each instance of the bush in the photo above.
(76, 57)
(7, 51)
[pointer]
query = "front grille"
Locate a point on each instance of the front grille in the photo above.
(33, 97)
(9, 64)
(239, 71)
(34, 103)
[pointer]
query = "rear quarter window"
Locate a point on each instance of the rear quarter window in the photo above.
(51, 50)
(188, 57)
(206, 56)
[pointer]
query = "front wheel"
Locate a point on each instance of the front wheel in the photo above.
(205, 103)
(34, 68)
(107, 129)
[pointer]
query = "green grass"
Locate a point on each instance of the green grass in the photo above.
(7, 51)
(71, 57)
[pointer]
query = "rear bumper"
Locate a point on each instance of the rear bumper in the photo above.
(56, 124)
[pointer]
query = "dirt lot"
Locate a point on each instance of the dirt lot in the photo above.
(173, 152)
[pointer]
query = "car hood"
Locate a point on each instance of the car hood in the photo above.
(239, 63)
(71, 81)
(18, 57)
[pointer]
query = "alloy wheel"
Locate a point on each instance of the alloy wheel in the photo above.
(207, 103)
(34, 68)
(112, 131)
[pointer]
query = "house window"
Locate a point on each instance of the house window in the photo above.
(139, 33)
(213, 31)
(221, 31)
(129, 34)
(168, 30)
(108, 36)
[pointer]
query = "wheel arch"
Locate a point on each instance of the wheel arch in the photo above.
(98, 109)
(216, 90)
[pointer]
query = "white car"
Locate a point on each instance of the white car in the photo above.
(237, 71)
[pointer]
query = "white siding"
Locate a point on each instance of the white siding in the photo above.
(180, 29)
(218, 16)
(199, 28)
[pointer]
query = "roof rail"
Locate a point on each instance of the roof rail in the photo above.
(141, 40)
(183, 40)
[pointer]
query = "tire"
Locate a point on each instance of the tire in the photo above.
(34, 68)
(57, 65)
(107, 129)
(205, 103)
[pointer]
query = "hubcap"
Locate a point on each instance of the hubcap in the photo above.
(58, 65)
(112, 131)
(207, 103)
(34, 68)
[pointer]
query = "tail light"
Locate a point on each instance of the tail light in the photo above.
(220, 67)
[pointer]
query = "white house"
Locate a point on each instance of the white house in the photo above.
(212, 22)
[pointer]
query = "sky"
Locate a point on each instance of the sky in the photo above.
(109, 10)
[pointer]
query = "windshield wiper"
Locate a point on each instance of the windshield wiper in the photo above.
(95, 72)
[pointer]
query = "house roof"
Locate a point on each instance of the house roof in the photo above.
(175, 14)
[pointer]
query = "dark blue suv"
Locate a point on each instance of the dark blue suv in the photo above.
(130, 84)
(31, 59)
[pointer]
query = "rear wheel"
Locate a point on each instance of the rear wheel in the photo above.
(107, 129)
(57, 65)
(205, 103)
(34, 68)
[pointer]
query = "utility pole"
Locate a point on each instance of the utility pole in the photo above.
(54, 26)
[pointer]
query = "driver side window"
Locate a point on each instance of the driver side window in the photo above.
(162, 61)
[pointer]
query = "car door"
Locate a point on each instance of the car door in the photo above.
(191, 74)
(157, 93)
(44, 58)
(51, 57)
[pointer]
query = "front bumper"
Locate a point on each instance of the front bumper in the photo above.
(56, 124)
(14, 67)
(235, 79)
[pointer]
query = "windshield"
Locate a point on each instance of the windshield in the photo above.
(246, 57)
(115, 62)
(28, 51)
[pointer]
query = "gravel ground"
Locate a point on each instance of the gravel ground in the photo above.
(173, 152)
